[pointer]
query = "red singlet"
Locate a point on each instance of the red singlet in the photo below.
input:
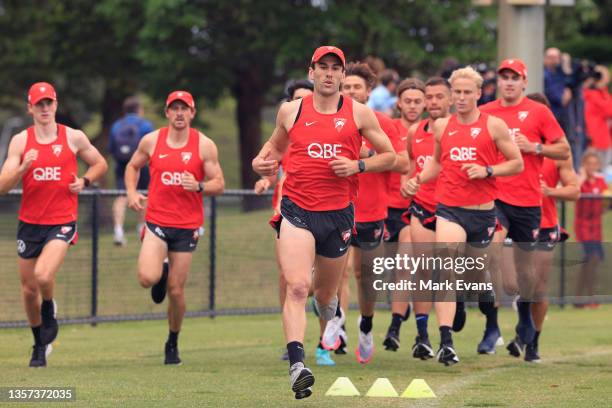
(46, 198)
(462, 144)
(169, 204)
(315, 140)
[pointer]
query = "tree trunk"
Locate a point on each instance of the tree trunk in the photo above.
(249, 93)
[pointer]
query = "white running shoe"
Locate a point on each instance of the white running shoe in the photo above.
(365, 348)
(331, 335)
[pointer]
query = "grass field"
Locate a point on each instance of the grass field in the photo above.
(234, 362)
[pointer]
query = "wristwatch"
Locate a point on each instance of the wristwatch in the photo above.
(361, 165)
(200, 188)
(86, 181)
(489, 171)
(538, 148)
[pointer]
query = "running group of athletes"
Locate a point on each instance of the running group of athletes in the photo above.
(353, 178)
(184, 166)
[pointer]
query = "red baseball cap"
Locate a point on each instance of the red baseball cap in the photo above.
(40, 91)
(180, 96)
(514, 65)
(328, 49)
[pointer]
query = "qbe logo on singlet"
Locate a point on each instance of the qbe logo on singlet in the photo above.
(324, 150)
(47, 173)
(463, 153)
(169, 178)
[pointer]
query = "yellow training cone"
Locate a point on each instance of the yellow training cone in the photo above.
(418, 388)
(342, 387)
(382, 387)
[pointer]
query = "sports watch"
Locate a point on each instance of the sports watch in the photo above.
(538, 148)
(86, 181)
(489, 171)
(361, 165)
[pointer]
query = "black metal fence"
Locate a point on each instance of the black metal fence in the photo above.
(233, 270)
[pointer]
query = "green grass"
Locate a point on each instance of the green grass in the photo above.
(234, 362)
(245, 248)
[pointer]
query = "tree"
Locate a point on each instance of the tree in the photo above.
(249, 47)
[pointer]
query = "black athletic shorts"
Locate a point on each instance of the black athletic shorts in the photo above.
(426, 217)
(332, 230)
(177, 239)
(522, 223)
(368, 235)
(548, 238)
(143, 179)
(479, 225)
(31, 238)
(394, 223)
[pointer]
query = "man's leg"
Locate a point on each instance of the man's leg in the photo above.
(503, 278)
(180, 263)
(296, 255)
(47, 265)
(399, 307)
(150, 261)
(422, 241)
(31, 302)
(282, 283)
(543, 265)
(119, 206)
(363, 278)
(29, 291)
(449, 235)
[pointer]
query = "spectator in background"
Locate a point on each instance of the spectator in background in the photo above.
(125, 134)
(383, 97)
(489, 91)
(556, 85)
(376, 64)
(448, 66)
(489, 86)
(598, 113)
(587, 225)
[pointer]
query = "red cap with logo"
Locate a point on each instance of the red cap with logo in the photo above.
(183, 96)
(328, 49)
(40, 91)
(514, 65)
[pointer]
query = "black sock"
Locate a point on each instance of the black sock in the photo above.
(320, 345)
(536, 338)
(173, 337)
(421, 322)
(366, 324)
(407, 314)
(295, 349)
(490, 311)
(36, 334)
(338, 312)
(460, 305)
(396, 321)
(446, 337)
(47, 307)
(524, 310)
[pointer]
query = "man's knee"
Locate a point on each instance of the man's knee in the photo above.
(146, 280)
(175, 291)
(43, 274)
(29, 291)
(298, 290)
(511, 289)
